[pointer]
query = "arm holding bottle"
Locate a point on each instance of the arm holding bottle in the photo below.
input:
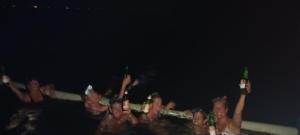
(237, 117)
(22, 96)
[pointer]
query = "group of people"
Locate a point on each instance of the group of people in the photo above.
(116, 118)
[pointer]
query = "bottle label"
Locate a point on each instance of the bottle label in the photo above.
(88, 90)
(242, 86)
(212, 130)
(146, 108)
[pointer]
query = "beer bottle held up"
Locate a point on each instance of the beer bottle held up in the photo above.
(244, 81)
(147, 104)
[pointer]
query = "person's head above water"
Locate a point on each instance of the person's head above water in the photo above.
(156, 102)
(199, 117)
(220, 107)
(115, 107)
(33, 84)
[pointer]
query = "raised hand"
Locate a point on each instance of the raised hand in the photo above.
(126, 80)
(5, 79)
(248, 87)
(171, 105)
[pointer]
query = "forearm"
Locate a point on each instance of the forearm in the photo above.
(240, 105)
(122, 90)
(237, 117)
(19, 94)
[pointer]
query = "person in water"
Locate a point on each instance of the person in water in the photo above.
(155, 107)
(91, 102)
(198, 123)
(92, 105)
(224, 124)
(27, 117)
(117, 120)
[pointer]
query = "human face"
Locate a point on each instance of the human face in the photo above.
(156, 105)
(220, 110)
(198, 119)
(33, 85)
(116, 110)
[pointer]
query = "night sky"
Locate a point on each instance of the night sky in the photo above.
(195, 51)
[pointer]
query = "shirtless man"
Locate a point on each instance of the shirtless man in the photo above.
(32, 99)
(226, 125)
(117, 119)
(155, 108)
(92, 100)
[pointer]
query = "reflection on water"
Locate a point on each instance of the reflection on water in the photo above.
(158, 127)
(167, 127)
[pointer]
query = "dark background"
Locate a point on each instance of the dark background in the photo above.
(195, 50)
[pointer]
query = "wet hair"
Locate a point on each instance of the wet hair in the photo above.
(195, 110)
(29, 79)
(115, 99)
(155, 95)
(222, 100)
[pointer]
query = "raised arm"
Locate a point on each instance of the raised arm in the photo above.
(237, 116)
(22, 96)
(126, 81)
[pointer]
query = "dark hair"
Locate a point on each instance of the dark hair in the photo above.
(155, 95)
(222, 100)
(115, 99)
(195, 110)
(29, 79)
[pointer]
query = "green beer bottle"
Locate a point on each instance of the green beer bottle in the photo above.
(126, 70)
(244, 81)
(125, 101)
(147, 104)
(212, 123)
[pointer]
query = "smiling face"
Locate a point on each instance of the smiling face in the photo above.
(220, 109)
(198, 119)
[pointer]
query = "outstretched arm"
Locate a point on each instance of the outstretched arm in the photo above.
(237, 117)
(23, 97)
